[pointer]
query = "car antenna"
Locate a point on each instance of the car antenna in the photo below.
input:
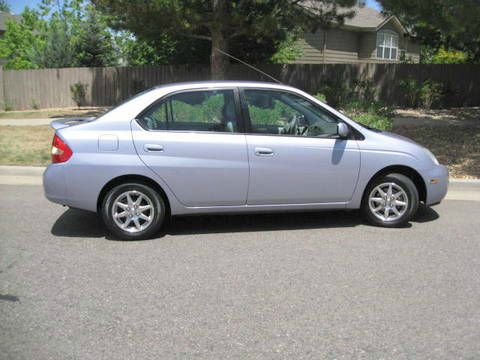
(247, 64)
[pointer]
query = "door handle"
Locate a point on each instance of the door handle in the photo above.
(260, 151)
(153, 148)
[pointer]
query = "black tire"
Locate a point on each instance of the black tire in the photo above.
(156, 202)
(409, 188)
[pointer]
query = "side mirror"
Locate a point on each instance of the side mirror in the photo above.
(343, 130)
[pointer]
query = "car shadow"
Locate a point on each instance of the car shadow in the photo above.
(79, 223)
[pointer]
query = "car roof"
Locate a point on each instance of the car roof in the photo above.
(221, 83)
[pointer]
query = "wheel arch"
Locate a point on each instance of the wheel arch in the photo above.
(133, 178)
(411, 173)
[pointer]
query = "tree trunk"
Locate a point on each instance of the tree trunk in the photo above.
(218, 61)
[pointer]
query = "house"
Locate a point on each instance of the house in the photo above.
(367, 37)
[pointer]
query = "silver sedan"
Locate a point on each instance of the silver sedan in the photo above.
(232, 147)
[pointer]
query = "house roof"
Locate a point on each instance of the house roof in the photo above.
(364, 19)
(4, 17)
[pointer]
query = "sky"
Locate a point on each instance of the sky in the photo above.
(17, 6)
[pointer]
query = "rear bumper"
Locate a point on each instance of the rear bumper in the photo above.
(436, 180)
(55, 184)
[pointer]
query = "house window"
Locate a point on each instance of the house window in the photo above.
(387, 45)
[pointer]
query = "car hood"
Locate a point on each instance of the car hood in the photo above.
(398, 137)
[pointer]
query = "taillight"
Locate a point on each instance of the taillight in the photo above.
(60, 151)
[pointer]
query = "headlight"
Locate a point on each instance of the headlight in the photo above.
(432, 157)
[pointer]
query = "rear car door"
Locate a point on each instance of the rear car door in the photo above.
(191, 139)
(294, 152)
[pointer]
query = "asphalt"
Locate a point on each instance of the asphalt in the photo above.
(284, 286)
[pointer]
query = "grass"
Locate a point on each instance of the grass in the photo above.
(25, 145)
(52, 113)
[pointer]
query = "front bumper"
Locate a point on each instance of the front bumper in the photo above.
(55, 184)
(436, 180)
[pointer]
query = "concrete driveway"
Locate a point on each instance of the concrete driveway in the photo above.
(283, 286)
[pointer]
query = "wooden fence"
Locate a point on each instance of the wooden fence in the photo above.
(47, 88)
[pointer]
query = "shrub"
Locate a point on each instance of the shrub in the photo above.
(411, 92)
(374, 120)
(34, 105)
(79, 93)
(321, 97)
(7, 106)
(431, 94)
(337, 93)
(365, 91)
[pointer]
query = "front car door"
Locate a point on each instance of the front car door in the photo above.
(294, 152)
(191, 140)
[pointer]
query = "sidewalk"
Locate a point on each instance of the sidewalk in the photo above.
(27, 122)
(459, 189)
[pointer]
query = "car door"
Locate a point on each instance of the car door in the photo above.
(191, 140)
(295, 154)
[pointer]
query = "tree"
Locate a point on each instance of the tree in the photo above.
(451, 24)
(21, 42)
(61, 33)
(220, 24)
(4, 6)
(442, 56)
(93, 44)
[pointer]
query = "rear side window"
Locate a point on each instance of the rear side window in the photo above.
(206, 110)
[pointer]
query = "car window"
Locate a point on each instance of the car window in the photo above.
(284, 113)
(209, 110)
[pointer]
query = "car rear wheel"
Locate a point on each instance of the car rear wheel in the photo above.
(390, 201)
(133, 211)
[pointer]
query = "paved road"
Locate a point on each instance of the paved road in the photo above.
(295, 286)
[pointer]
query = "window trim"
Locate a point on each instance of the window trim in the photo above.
(238, 112)
(354, 133)
(393, 35)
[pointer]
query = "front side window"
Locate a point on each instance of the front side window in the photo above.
(206, 110)
(283, 113)
(387, 45)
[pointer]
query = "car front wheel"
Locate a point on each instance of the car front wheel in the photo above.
(133, 211)
(390, 201)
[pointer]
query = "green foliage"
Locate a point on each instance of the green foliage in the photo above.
(443, 56)
(321, 96)
(4, 6)
(427, 94)
(336, 92)
(19, 43)
(142, 52)
(79, 93)
(374, 120)
(287, 50)
(93, 45)
(34, 104)
(60, 34)
(411, 92)
(359, 102)
(432, 94)
(7, 106)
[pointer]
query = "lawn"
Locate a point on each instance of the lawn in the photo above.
(53, 113)
(25, 145)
